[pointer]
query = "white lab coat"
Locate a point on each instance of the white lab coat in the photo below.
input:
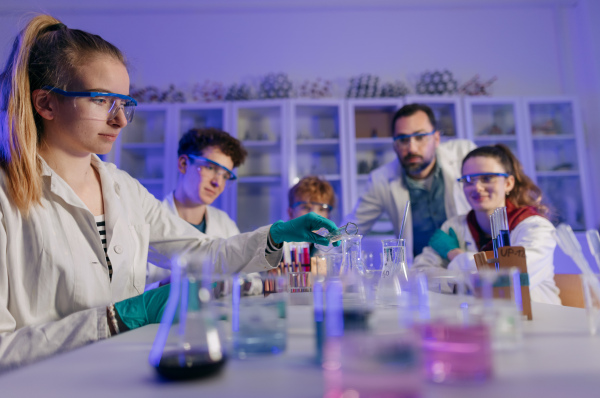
(218, 225)
(387, 193)
(54, 284)
(533, 233)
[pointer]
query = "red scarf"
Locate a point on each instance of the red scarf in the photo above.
(515, 216)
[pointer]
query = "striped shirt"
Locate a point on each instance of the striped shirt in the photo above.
(101, 225)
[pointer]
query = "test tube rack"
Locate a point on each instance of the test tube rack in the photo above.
(508, 257)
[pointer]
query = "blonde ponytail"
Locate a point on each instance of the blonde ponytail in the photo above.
(45, 53)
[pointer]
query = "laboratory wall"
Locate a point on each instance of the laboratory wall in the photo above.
(533, 47)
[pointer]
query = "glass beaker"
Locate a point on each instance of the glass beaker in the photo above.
(189, 342)
(394, 272)
(259, 319)
(351, 250)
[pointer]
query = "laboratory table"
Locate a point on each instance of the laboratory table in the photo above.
(558, 359)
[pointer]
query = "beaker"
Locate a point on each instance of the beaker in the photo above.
(351, 250)
(189, 342)
(394, 271)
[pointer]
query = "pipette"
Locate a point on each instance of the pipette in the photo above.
(593, 238)
(570, 245)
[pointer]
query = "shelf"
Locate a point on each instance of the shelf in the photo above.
(499, 137)
(556, 137)
(377, 143)
(558, 173)
(259, 179)
(261, 146)
(327, 142)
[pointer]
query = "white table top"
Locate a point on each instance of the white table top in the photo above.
(558, 359)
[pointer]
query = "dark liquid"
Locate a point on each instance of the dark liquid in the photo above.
(191, 365)
(356, 319)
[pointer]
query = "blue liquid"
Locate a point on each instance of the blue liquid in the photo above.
(503, 238)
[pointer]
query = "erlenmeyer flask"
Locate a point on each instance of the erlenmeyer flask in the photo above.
(189, 343)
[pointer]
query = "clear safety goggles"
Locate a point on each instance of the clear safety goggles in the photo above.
(483, 178)
(99, 106)
(404, 139)
(312, 206)
(212, 169)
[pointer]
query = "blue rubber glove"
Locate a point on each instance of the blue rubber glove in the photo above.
(144, 309)
(443, 242)
(301, 230)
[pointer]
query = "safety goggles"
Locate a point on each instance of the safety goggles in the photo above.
(404, 139)
(100, 106)
(212, 168)
(483, 178)
(312, 206)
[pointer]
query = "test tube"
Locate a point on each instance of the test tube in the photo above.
(494, 236)
(503, 231)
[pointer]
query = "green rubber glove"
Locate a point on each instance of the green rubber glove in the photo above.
(144, 309)
(300, 229)
(443, 242)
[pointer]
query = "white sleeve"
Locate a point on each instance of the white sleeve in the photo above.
(535, 235)
(170, 236)
(30, 343)
(368, 209)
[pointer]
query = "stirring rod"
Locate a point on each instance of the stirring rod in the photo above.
(404, 219)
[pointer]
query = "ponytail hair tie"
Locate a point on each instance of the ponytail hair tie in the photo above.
(54, 27)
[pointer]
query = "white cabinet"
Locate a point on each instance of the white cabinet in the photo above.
(448, 114)
(318, 148)
(344, 140)
(491, 121)
(558, 158)
(262, 128)
(370, 145)
(141, 148)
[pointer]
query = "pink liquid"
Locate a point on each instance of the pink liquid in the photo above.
(456, 353)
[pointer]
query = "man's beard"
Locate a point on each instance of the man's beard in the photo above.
(415, 168)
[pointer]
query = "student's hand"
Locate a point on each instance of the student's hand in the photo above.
(301, 230)
(144, 309)
(443, 242)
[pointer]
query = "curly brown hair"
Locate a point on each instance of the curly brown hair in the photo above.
(196, 140)
(525, 192)
(313, 188)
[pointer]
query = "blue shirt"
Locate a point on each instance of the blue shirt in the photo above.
(428, 207)
(201, 227)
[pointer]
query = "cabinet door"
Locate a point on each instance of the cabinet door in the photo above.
(559, 158)
(262, 179)
(196, 116)
(448, 114)
(371, 146)
(140, 148)
(316, 148)
(491, 121)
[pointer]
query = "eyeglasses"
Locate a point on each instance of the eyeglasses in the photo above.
(483, 178)
(101, 106)
(212, 168)
(312, 206)
(404, 139)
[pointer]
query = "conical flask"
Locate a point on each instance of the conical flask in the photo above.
(190, 341)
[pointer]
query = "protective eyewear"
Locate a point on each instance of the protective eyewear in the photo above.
(483, 178)
(215, 169)
(312, 206)
(101, 106)
(404, 139)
